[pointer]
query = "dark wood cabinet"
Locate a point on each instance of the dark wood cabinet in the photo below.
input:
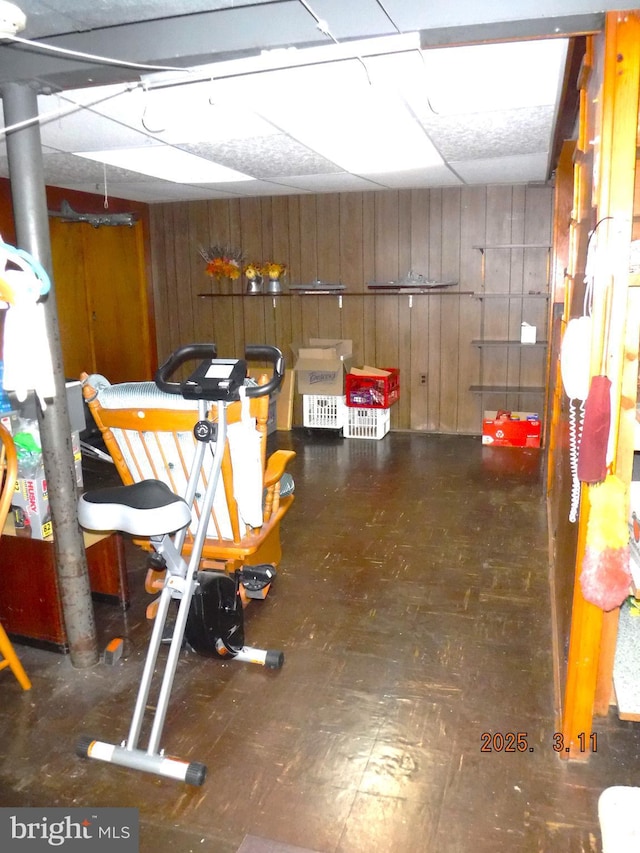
(30, 603)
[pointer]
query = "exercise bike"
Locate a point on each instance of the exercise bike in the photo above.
(210, 610)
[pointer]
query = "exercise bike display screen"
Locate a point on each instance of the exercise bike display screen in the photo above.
(219, 370)
(216, 379)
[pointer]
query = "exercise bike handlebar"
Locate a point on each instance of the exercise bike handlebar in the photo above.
(207, 353)
(264, 352)
(177, 359)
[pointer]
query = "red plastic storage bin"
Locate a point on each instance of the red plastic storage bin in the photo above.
(372, 392)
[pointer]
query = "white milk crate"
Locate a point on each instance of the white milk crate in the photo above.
(324, 412)
(367, 423)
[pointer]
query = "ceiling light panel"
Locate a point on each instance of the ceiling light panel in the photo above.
(167, 163)
(488, 77)
(339, 112)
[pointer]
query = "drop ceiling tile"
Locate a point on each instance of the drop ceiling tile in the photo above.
(248, 189)
(432, 176)
(67, 167)
(265, 156)
(341, 182)
(87, 131)
(47, 18)
(517, 169)
(217, 119)
(494, 134)
(149, 193)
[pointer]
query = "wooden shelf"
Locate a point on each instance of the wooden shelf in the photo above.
(536, 295)
(501, 389)
(513, 246)
(488, 343)
(339, 293)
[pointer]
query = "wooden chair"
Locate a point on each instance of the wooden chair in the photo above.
(8, 477)
(149, 434)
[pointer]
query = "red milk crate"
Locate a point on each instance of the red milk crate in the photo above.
(364, 390)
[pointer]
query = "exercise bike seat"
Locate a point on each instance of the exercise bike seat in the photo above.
(147, 508)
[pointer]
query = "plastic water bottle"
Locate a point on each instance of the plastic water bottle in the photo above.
(5, 402)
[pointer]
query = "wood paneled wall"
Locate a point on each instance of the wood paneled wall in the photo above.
(356, 238)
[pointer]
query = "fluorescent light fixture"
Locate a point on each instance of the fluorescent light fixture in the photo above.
(365, 142)
(489, 77)
(336, 111)
(167, 163)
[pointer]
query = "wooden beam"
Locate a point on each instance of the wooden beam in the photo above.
(569, 100)
(588, 679)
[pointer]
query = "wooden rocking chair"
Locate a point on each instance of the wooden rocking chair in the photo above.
(149, 434)
(8, 476)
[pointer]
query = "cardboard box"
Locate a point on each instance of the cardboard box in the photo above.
(280, 414)
(511, 429)
(30, 505)
(321, 365)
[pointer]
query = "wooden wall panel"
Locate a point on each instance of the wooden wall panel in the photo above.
(472, 228)
(310, 266)
(356, 238)
(411, 384)
(451, 383)
(386, 237)
(199, 236)
(433, 306)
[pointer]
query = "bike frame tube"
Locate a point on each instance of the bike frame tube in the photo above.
(190, 585)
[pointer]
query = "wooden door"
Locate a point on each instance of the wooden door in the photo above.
(102, 300)
(71, 297)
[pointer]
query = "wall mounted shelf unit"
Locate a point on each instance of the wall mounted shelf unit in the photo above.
(521, 365)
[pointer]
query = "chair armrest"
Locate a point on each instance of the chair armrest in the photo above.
(276, 465)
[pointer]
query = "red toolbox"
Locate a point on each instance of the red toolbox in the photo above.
(372, 388)
(511, 429)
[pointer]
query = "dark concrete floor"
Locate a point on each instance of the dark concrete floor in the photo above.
(412, 605)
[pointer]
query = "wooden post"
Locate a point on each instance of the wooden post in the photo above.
(588, 680)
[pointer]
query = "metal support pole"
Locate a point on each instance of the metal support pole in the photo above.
(32, 231)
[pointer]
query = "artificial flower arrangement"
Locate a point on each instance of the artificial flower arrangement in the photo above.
(253, 271)
(273, 270)
(269, 269)
(222, 261)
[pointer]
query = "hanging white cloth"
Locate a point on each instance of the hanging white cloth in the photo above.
(246, 460)
(26, 352)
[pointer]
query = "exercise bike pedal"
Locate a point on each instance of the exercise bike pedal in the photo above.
(154, 579)
(256, 580)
